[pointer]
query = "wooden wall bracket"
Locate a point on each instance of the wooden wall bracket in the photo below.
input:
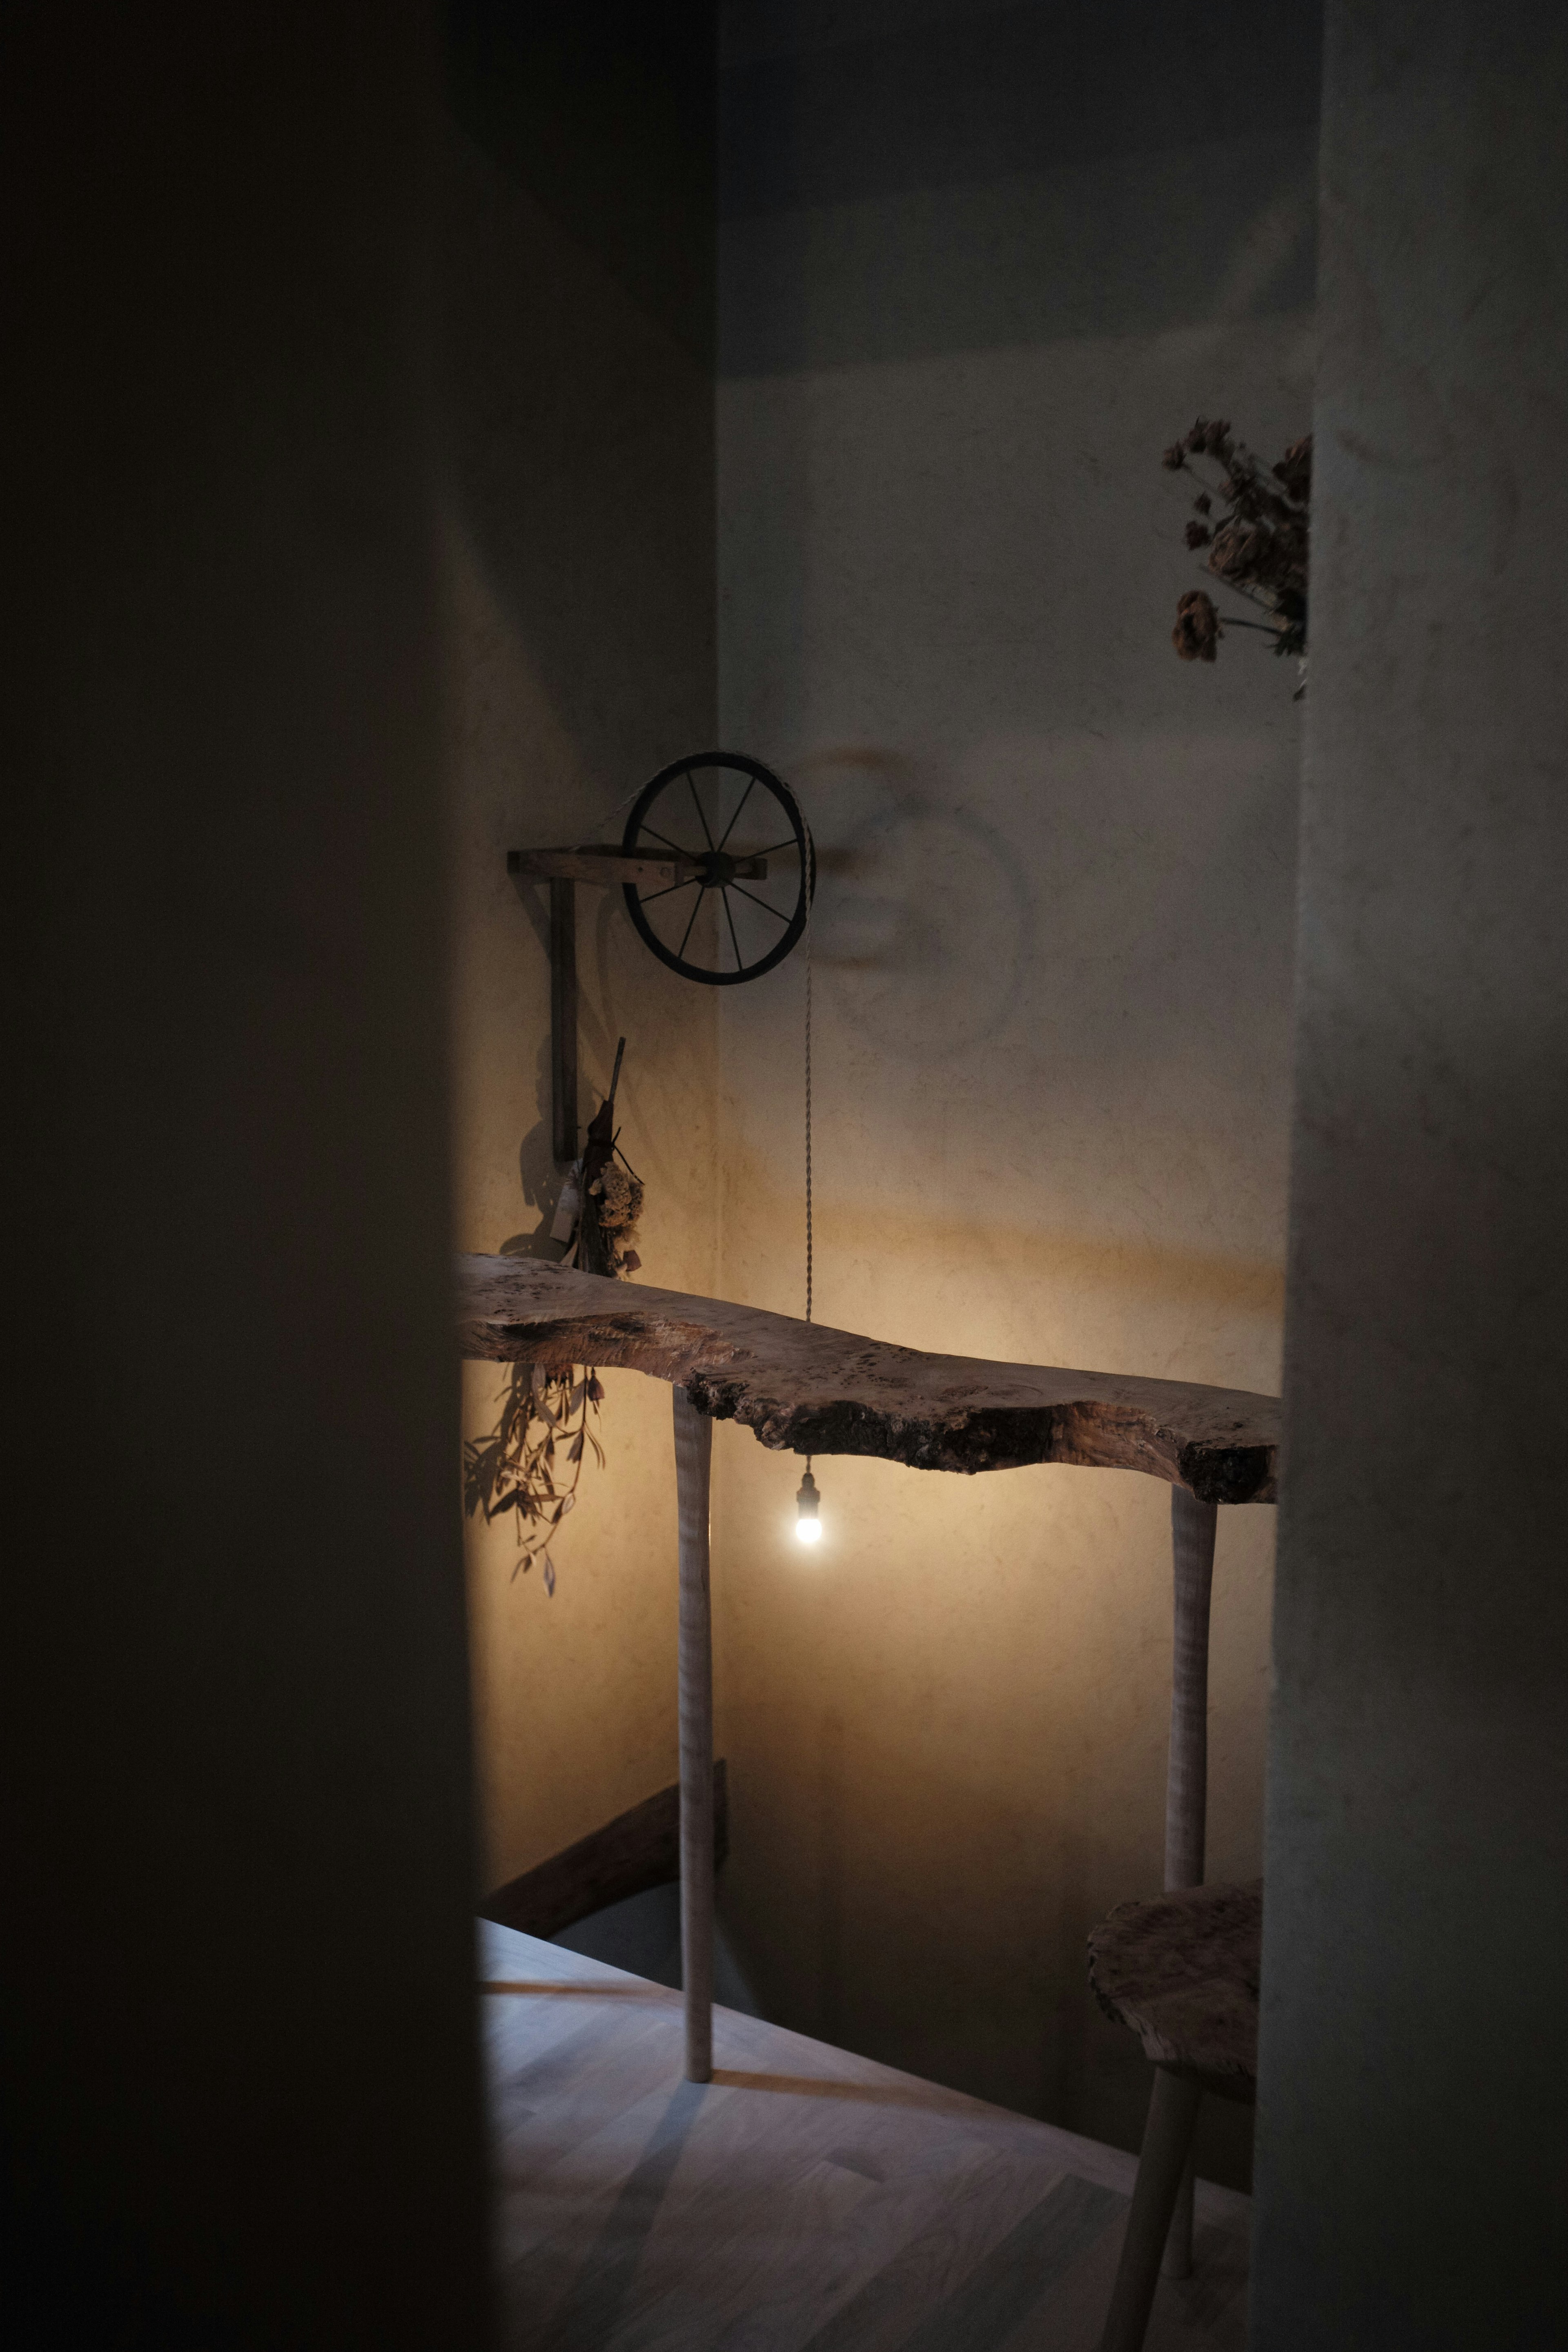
(563, 1020)
(604, 864)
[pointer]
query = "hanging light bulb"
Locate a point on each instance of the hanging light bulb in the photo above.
(807, 1524)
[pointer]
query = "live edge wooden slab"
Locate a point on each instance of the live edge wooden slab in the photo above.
(803, 1387)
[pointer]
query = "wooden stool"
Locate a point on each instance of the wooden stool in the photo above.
(1182, 1971)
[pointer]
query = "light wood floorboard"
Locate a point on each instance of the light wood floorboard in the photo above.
(804, 2200)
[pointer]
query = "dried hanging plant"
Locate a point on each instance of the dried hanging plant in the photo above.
(616, 1195)
(1258, 545)
(531, 1462)
(603, 1195)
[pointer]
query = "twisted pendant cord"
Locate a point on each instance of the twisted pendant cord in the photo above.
(810, 896)
(810, 893)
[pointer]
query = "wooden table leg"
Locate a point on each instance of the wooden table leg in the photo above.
(693, 1455)
(1186, 1783)
(1193, 1526)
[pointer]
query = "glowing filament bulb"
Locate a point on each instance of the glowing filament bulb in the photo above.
(807, 1524)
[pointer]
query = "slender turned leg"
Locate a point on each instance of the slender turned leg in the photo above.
(1167, 2136)
(1186, 1783)
(693, 1454)
(1193, 1527)
(1176, 2263)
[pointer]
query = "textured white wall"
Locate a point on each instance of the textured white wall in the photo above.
(976, 270)
(1411, 2134)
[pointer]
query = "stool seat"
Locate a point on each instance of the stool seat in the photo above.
(1182, 1971)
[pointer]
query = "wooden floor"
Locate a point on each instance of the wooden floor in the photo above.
(803, 2201)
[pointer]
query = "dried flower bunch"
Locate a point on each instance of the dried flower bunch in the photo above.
(617, 1196)
(531, 1462)
(1257, 544)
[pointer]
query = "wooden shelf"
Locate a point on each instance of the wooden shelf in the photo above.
(806, 1388)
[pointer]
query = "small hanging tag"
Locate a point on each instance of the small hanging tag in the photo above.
(568, 1207)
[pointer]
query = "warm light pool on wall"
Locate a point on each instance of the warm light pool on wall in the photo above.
(716, 828)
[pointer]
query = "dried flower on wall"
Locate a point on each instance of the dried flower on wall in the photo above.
(617, 1197)
(1258, 546)
(1196, 632)
(531, 1462)
(607, 1196)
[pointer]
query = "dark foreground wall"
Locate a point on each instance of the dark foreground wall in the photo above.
(576, 422)
(237, 2008)
(1412, 2182)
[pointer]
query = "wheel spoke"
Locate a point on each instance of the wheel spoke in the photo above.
(686, 934)
(676, 845)
(692, 788)
(728, 917)
(756, 902)
(788, 842)
(740, 804)
(692, 885)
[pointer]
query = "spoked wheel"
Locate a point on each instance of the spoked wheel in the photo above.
(744, 906)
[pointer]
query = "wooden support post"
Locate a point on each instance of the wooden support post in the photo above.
(1162, 2167)
(1193, 1526)
(693, 1456)
(563, 1020)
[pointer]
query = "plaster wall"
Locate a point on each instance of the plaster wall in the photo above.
(577, 447)
(978, 265)
(1411, 2174)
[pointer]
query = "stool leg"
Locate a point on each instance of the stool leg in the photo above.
(1176, 2263)
(693, 1455)
(1167, 2136)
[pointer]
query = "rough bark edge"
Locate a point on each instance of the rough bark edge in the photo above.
(673, 1336)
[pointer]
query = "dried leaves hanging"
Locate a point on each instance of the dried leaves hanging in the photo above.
(1258, 546)
(531, 1462)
